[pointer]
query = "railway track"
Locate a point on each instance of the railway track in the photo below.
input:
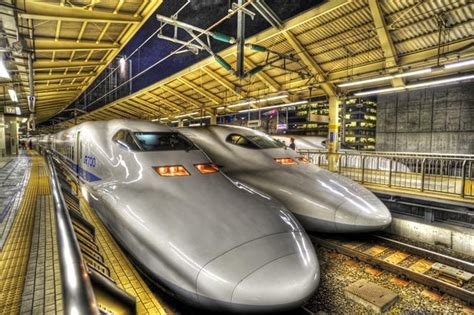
(437, 271)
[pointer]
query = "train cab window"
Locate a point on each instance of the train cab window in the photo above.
(254, 141)
(125, 139)
(163, 141)
(241, 141)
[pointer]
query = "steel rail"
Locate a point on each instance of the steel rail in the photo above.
(77, 291)
(431, 282)
(419, 251)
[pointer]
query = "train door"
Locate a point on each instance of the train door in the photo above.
(78, 153)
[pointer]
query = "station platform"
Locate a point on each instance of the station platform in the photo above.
(30, 270)
(30, 273)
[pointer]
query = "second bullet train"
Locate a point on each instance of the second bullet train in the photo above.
(321, 200)
(216, 244)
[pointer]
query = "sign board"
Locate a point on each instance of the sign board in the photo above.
(12, 110)
(254, 123)
(282, 126)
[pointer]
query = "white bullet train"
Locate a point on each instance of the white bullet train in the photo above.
(215, 244)
(349, 159)
(321, 200)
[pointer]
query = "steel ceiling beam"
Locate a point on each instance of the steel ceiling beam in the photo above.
(228, 85)
(63, 64)
(49, 12)
(163, 100)
(273, 85)
(183, 97)
(309, 61)
(200, 90)
(49, 44)
(64, 76)
(383, 34)
(45, 87)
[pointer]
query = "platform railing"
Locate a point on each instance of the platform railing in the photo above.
(77, 291)
(425, 172)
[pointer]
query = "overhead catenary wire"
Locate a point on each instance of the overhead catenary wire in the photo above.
(230, 14)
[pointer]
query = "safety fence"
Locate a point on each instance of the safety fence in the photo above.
(426, 172)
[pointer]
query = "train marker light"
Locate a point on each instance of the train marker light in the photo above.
(171, 170)
(208, 168)
(303, 159)
(285, 161)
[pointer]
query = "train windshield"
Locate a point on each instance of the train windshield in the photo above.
(254, 141)
(163, 141)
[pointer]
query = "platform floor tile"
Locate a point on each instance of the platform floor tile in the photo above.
(42, 291)
(15, 253)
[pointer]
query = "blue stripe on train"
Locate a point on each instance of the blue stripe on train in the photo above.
(86, 175)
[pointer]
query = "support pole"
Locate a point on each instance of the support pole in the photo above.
(214, 117)
(333, 133)
(180, 123)
(240, 40)
(31, 83)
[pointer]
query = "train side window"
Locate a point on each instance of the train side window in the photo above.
(240, 141)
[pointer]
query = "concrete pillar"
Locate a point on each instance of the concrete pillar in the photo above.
(333, 134)
(180, 123)
(214, 117)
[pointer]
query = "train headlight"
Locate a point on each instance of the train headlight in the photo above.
(207, 168)
(303, 159)
(171, 170)
(285, 161)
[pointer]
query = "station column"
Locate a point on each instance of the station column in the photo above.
(214, 117)
(333, 134)
(180, 123)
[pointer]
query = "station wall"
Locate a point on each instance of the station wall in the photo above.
(437, 119)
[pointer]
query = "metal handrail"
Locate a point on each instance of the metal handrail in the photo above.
(78, 294)
(387, 153)
(445, 174)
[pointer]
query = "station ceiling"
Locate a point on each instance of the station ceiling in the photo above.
(334, 42)
(73, 42)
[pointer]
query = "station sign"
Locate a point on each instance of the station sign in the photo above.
(12, 110)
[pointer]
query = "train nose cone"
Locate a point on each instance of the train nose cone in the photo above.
(278, 271)
(282, 282)
(362, 214)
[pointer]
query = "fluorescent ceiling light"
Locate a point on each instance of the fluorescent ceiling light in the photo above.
(3, 70)
(185, 115)
(414, 86)
(273, 107)
(412, 73)
(379, 91)
(459, 64)
(431, 83)
(271, 98)
(388, 77)
(13, 96)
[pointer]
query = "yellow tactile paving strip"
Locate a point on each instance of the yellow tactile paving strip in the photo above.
(121, 269)
(15, 253)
